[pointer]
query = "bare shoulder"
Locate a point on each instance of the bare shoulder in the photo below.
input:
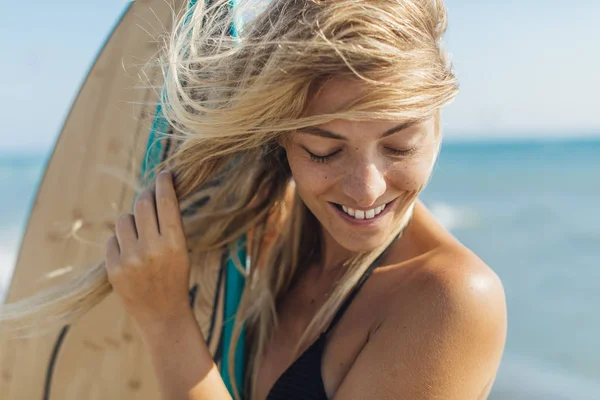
(449, 276)
(442, 334)
(455, 318)
(448, 270)
(458, 283)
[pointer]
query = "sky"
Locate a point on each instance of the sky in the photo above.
(527, 68)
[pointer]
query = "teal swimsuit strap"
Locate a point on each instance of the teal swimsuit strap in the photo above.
(234, 286)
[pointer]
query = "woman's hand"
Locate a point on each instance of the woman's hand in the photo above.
(147, 262)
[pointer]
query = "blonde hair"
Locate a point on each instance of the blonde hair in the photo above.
(230, 100)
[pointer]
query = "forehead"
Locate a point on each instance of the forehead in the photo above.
(335, 95)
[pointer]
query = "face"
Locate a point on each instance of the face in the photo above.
(355, 176)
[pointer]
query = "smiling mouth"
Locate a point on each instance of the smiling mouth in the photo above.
(362, 214)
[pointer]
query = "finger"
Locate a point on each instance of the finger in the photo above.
(167, 207)
(112, 253)
(145, 216)
(126, 233)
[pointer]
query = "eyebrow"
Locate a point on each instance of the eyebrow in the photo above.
(313, 130)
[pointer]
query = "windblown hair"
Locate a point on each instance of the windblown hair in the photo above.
(231, 100)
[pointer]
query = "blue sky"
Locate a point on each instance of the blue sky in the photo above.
(528, 68)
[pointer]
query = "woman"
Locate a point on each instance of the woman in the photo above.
(312, 134)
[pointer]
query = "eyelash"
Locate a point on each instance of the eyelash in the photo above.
(322, 159)
(401, 153)
(329, 157)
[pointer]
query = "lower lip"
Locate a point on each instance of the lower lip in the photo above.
(363, 222)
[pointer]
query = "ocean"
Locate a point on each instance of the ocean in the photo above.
(531, 210)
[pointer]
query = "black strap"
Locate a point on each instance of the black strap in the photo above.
(193, 292)
(216, 301)
(52, 363)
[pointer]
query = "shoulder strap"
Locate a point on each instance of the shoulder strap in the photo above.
(234, 286)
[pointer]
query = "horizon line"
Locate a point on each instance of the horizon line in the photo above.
(39, 150)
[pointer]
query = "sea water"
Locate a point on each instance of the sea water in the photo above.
(531, 210)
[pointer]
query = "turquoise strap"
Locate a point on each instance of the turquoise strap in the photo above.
(160, 126)
(234, 286)
(154, 148)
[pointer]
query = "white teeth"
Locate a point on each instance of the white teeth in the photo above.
(360, 214)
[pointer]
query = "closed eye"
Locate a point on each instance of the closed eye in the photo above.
(329, 157)
(322, 159)
(400, 153)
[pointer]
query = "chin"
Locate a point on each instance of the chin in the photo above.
(360, 244)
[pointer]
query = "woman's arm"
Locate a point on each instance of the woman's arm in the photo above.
(181, 360)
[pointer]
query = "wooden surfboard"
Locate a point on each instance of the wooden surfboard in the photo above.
(106, 132)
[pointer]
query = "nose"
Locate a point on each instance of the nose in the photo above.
(365, 183)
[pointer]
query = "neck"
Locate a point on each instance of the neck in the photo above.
(333, 254)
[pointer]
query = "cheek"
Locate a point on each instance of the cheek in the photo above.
(414, 173)
(310, 177)
(410, 176)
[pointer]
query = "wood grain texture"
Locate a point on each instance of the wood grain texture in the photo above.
(106, 131)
